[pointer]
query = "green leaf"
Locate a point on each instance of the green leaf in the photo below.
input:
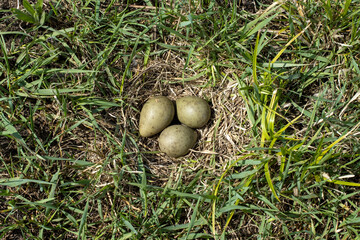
(193, 217)
(50, 92)
(235, 207)
(128, 224)
(170, 30)
(24, 16)
(51, 195)
(126, 236)
(283, 64)
(98, 102)
(29, 8)
(344, 183)
(9, 129)
(198, 236)
(13, 182)
(39, 7)
(242, 174)
(255, 53)
(42, 19)
(268, 179)
(327, 149)
(83, 220)
(183, 226)
(350, 221)
(261, 25)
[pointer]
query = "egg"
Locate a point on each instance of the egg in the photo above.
(156, 114)
(193, 111)
(177, 140)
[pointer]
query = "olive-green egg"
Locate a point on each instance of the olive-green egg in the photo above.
(177, 140)
(156, 114)
(193, 111)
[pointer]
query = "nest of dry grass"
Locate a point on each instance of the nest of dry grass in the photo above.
(219, 141)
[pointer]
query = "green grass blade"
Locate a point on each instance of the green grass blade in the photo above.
(193, 218)
(254, 63)
(14, 182)
(83, 221)
(327, 149)
(29, 8)
(288, 44)
(269, 181)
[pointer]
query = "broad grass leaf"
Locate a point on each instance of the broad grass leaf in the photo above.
(198, 236)
(29, 8)
(39, 6)
(350, 221)
(198, 222)
(128, 224)
(242, 174)
(126, 236)
(268, 179)
(81, 232)
(344, 183)
(24, 16)
(13, 182)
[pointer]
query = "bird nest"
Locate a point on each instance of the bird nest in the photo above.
(220, 141)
